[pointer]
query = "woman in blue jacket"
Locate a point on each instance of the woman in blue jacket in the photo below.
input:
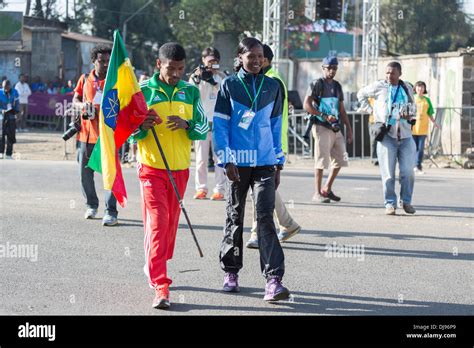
(247, 141)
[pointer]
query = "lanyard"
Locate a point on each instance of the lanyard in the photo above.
(250, 96)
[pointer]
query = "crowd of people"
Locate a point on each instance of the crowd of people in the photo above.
(242, 120)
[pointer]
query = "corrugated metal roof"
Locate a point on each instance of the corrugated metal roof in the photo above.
(84, 38)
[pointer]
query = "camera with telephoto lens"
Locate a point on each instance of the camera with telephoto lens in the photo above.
(204, 73)
(311, 120)
(74, 127)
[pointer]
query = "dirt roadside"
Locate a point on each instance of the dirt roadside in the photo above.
(43, 145)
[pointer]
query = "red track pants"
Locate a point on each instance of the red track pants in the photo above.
(160, 218)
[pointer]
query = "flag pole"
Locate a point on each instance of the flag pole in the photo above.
(176, 190)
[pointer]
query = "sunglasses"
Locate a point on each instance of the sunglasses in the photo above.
(330, 67)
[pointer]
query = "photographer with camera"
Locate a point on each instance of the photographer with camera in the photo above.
(207, 79)
(324, 103)
(87, 99)
(395, 114)
(9, 108)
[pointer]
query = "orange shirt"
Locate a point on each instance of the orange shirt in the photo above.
(89, 132)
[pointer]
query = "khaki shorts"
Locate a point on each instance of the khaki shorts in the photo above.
(329, 147)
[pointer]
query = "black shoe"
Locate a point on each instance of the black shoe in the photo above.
(330, 195)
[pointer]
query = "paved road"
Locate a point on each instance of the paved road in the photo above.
(410, 265)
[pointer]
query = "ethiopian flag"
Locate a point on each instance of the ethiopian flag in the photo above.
(122, 110)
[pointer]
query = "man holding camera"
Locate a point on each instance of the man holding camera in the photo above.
(395, 113)
(207, 79)
(87, 99)
(9, 107)
(324, 102)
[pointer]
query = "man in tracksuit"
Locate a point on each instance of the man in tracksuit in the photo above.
(247, 142)
(177, 116)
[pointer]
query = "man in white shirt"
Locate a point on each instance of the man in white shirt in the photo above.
(394, 114)
(24, 92)
(207, 78)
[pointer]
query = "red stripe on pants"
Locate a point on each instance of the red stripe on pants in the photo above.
(160, 218)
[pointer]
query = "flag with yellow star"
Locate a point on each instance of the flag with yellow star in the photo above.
(122, 110)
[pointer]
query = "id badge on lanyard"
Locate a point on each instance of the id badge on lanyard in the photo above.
(249, 114)
(246, 119)
(98, 97)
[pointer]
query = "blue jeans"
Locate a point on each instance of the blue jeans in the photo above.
(86, 175)
(388, 152)
(420, 147)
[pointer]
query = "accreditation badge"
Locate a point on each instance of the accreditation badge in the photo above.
(97, 97)
(246, 119)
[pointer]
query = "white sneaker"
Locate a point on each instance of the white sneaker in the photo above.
(90, 213)
(9, 157)
(418, 171)
(109, 220)
(252, 243)
(1, 155)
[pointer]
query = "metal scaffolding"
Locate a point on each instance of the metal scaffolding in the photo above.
(272, 26)
(370, 40)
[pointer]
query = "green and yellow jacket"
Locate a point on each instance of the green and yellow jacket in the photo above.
(182, 100)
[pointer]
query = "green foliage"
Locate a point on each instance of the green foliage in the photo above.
(194, 23)
(145, 32)
(422, 26)
(46, 9)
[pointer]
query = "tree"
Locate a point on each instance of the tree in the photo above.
(145, 32)
(422, 26)
(38, 11)
(82, 16)
(194, 23)
(46, 10)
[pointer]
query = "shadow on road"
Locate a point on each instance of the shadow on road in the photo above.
(330, 304)
(346, 234)
(388, 252)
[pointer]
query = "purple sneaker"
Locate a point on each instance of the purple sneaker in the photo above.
(231, 282)
(275, 291)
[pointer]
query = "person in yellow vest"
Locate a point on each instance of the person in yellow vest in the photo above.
(424, 113)
(288, 226)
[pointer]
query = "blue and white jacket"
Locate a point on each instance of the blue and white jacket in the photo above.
(13, 100)
(260, 143)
